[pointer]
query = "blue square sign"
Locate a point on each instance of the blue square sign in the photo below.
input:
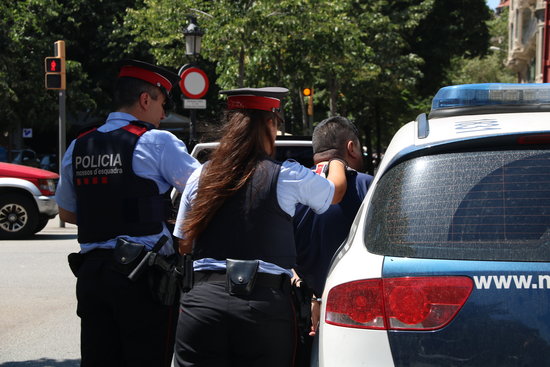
(27, 133)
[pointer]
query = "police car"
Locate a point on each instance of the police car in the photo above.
(448, 260)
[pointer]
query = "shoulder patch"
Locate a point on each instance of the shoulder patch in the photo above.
(86, 132)
(135, 129)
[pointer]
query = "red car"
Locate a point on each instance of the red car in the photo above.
(26, 200)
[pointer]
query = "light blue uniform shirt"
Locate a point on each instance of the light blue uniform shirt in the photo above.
(295, 184)
(158, 156)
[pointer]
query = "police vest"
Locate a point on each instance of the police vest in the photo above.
(111, 199)
(250, 224)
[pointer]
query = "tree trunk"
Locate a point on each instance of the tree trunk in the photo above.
(378, 123)
(240, 81)
(333, 88)
(367, 142)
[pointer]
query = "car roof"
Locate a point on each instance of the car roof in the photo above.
(281, 143)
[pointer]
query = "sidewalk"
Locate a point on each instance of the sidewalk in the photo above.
(53, 227)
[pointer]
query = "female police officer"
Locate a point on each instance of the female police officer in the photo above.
(237, 218)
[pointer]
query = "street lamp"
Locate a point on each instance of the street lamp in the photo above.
(193, 37)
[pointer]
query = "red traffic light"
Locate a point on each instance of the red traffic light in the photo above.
(54, 65)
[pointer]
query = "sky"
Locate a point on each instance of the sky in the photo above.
(493, 3)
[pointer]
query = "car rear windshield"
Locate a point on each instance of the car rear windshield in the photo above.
(301, 154)
(482, 205)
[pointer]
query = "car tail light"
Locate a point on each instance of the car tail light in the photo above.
(410, 303)
(47, 186)
(534, 139)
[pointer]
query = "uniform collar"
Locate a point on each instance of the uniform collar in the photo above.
(120, 119)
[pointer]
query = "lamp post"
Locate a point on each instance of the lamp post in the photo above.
(193, 40)
(193, 37)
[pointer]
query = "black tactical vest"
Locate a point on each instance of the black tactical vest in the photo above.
(251, 224)
(111, 199)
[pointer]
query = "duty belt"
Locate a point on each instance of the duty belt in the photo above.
(275, 281)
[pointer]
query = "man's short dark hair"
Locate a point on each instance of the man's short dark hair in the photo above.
(333, 133)
(128, 90)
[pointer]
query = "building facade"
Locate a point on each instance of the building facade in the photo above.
(526, 39)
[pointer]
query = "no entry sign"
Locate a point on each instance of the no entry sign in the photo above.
(194, 82)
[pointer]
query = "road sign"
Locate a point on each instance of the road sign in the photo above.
(27, 133)
(194, 104)
(194, 83)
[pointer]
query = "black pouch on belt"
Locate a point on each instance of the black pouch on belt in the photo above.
(127, 255)
(75, 262)
(241, 276)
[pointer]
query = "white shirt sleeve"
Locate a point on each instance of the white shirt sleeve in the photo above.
(298, 184)
(160, 156)
(187, 197)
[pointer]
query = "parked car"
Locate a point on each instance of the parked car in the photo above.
(287, 147)
(3, 154)
(448, 260)
(26, 157)
(26, 200)
(49, 162)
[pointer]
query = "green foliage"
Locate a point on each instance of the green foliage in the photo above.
(451, 29)
(489, 68)
(376, 61)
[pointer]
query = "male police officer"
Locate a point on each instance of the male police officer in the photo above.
(114, 182)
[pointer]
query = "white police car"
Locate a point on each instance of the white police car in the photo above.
(448, 260)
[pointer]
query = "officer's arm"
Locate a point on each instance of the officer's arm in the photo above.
(67, 216)
(337, 175)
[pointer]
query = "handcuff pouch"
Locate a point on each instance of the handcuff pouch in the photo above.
(241, 276)
(127, 256)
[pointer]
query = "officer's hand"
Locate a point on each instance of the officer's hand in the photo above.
(315, 316)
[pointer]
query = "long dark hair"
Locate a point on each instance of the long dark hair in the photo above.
(231, 166)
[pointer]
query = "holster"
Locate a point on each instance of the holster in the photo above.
(185, 270)
(164, 278)
(241, 276)
(127, 256)
(301, 296)
(75, 260)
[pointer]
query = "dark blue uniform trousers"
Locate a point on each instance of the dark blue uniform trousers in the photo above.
(217, 329)
(121, 324)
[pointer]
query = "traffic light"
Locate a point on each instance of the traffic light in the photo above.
(53, 64)
(306, 92)
(55, 67)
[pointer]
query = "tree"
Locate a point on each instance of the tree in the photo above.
(295, 43)
(451, 29)
(24, 101)
(27, 35)
(489, 68)
(376, 61)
